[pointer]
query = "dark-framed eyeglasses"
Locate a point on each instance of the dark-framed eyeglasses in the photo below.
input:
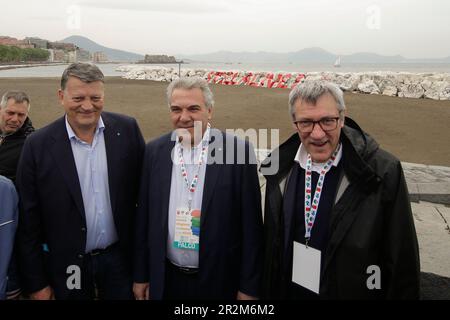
(327, 124)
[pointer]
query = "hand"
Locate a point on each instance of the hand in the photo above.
(43, 294)
(141, 291)
(243, 296)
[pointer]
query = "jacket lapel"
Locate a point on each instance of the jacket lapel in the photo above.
(213, 171)
(61, 151)
(288, 210)
(164, 169)
(113, 144)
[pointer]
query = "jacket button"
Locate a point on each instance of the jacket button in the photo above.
(80, 256)
(83, 229)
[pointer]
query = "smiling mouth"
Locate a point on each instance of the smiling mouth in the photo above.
(319, 144)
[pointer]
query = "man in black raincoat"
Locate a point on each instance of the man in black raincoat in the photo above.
(338, 221)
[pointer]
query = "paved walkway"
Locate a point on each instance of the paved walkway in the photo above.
(428, 183)
(429, 188)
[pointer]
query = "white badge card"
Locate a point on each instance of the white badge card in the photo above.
(306, 267)
(187, 229)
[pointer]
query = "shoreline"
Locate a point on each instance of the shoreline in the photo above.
(435, 86)
(28, 65)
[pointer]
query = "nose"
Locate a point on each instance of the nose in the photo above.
(14, 118)
(87, 105)
(317, 132)
(185, 116)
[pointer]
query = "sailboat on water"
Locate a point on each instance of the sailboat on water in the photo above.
(337, 63)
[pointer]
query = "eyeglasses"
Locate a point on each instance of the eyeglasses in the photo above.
(307, 126)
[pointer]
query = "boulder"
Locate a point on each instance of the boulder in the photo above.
(426, 84)
(368, 86)
(388, 87)
(411, 91)
(350, 83)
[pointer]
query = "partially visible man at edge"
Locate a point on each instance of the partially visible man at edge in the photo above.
(15, 126)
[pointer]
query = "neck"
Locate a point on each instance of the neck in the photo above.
(319, 162)
(85, 134)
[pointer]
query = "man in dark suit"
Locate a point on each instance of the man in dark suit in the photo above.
(199, 223)
(78, 181)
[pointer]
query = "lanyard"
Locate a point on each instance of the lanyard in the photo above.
(192, 187)
(311, 206)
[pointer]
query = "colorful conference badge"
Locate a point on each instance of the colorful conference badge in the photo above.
(187, 229)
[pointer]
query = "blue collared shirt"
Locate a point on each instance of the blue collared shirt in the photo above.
(92, 169)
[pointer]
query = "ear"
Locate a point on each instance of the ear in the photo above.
(61, 96)
(344, 114)
(210, 112)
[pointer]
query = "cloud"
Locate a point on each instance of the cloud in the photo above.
(168, 6)
(45, 18)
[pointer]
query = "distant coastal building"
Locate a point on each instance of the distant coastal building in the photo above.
(62, 46)
(83, 55)
(158, 59)
(13, 42)
(58, 51)
(37, 42)
(99, 57)
(57, 55)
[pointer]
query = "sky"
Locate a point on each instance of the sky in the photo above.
(411, 28)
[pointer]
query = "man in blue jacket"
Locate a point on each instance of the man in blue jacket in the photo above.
(8, 225)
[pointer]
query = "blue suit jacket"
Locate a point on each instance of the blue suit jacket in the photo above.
(8, 224)
(51, 204)
(231, 221)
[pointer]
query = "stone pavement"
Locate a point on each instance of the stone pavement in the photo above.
(429, 188)
(428, 183)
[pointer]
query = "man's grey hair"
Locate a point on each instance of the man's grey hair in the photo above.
(86, 72)
(189, 83)
(17, 96)
(311, 91)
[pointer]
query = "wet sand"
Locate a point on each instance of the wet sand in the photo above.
(415, 130)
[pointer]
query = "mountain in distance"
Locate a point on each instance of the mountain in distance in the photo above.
(308, 55)
(113, 54)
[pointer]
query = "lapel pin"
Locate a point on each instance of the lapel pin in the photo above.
(118, 134)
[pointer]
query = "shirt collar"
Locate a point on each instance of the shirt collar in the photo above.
(302, 156)
(72, 135)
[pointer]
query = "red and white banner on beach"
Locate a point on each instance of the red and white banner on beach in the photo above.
(257, 79)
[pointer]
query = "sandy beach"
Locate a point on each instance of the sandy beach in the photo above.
(415, 130)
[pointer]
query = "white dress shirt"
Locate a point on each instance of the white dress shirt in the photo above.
(179, 196)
